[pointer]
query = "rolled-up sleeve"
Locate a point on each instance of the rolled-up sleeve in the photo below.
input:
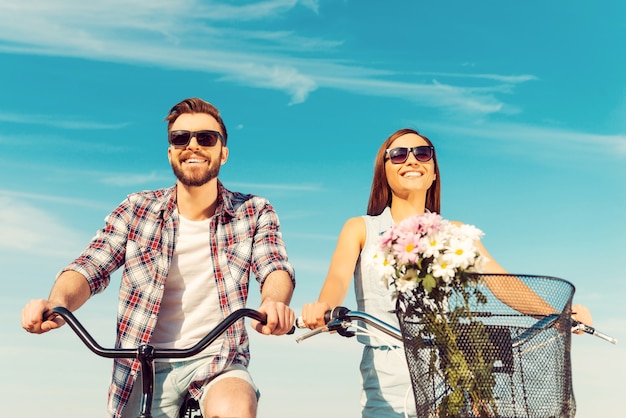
(105, 252)
(269, 253)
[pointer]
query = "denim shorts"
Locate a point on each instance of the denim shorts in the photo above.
(171, 382)
(386, 383)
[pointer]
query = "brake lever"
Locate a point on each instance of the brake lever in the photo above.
(312, 333)
(341, 327)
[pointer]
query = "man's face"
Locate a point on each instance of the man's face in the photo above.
(195, 165)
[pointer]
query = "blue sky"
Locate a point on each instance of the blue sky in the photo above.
(525, 102)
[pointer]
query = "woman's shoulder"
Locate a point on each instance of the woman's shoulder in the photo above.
(353, 232)
(356, 222)
(354, 228)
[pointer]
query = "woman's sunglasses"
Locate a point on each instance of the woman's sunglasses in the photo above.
(399, 155)
(204, 138)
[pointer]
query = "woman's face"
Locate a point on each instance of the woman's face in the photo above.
(412, 175)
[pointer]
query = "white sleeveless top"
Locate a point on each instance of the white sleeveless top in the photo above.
(372, 296)
(190, 306)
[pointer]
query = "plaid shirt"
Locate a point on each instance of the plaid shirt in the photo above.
(140, 235)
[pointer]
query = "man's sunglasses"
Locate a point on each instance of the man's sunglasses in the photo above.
(399, 155)
(204, 138)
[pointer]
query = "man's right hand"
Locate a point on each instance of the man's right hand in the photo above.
(37, 318)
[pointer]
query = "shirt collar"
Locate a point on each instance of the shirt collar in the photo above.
(225, 204)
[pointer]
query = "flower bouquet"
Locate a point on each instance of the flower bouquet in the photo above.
(431, 263)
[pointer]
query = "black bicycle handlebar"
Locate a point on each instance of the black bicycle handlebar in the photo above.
(146, 354)
(89, 341)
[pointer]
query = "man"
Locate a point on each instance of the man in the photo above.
(187, 253)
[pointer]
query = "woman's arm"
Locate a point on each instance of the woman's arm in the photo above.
(349, 244)
(520, 297)
(513, 291)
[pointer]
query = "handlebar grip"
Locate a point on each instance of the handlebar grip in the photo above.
(330, 315)
(300, 323)
(577, 325)
(49, 315)
(336, 313)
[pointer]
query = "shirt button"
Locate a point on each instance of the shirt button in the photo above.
(153, 316)
(132, 373)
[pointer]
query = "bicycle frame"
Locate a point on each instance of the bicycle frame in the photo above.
(146, 354)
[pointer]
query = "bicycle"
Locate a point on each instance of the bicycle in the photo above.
(146, 354)
(528, 354)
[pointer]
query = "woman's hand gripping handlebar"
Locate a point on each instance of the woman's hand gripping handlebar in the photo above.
(340, 319)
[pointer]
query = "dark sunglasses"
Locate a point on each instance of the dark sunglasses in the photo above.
(399, 155)
(204, 138)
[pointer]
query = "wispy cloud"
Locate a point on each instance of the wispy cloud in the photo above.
(58, 122)
(510, 79)
(10, 195)
(66, 174)
(479, 100)
(560, 138)
(214, 37)
(277, 186)
(27, 229)
(129, 179)
(256, 11)
(59, 143)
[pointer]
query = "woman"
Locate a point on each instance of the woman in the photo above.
(406, 183)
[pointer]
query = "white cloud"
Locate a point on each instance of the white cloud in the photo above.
(511, 79)
(276, 186)
(27, 229)
(212, 37)
(283, 78)
(129, 179)
(255, 11)
(58, 121)
(560, 138)
(19, 198)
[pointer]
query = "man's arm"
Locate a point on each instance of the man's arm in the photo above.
(275, 297)
(70, 290)
(272, 269)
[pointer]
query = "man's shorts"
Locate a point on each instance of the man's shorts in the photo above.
(172, 379)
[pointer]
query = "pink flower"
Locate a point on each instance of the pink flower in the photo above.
(407, 249)
(428, 244)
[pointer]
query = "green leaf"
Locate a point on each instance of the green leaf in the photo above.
(429, 282)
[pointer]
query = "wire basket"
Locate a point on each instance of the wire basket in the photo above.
(516, 364)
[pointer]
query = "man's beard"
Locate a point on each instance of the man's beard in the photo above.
(196, 179)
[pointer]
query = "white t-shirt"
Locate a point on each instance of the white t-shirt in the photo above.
(190, 305)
